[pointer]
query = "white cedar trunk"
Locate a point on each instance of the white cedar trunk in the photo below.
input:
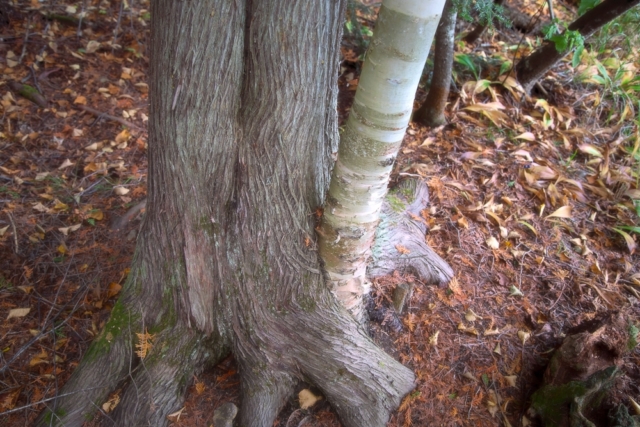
(371, 140)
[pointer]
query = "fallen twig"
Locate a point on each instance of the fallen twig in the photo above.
(26, 40)
(15, 232)
(100, 114)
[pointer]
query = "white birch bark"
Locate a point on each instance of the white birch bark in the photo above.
(371, 140)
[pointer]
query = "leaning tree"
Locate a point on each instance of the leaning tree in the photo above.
(242, 140)
(531, 68)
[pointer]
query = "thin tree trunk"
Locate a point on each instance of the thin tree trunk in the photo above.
(242, 126)
(431, 113)
(369, 145)
(530, 69)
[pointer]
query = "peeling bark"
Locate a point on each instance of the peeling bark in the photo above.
(242, 126)
(431, 113)
(369, 145)
(530, 69)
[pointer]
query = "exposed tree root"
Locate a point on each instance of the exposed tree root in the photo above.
(322, 345)
(264, 392)
(158, 385)
(400, 243)
(106, 363)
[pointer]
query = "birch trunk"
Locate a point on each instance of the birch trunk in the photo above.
(369, 145)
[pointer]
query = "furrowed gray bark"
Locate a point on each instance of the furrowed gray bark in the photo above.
(242, 126)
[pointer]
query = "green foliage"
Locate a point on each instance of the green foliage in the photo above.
(487, 11)
(565, 39)
(466, 61)
(586, 5)
(354, 29)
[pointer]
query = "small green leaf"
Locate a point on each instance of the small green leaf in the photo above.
(577, 55)
(485, 380)
(504, 67)
(561, 42)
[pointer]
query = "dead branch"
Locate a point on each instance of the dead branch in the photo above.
(100, 114)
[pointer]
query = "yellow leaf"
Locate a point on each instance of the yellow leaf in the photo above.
(81, 100)
(111, 404)
(123, 136)
(39, 359)
(96, 214)
(144, 345)
(60, 207)
(462, 222)
(563, 212)
(62, 249)
(200, 387)
(114, 289)
(307, 399)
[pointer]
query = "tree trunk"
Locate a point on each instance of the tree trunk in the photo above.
(431, 113)
(530, 69)
(242, 126)
(369, 145)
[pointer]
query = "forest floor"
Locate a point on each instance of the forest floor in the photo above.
(533, 203)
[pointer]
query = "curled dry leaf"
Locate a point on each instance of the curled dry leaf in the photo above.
(66, 230)
(563, 212)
